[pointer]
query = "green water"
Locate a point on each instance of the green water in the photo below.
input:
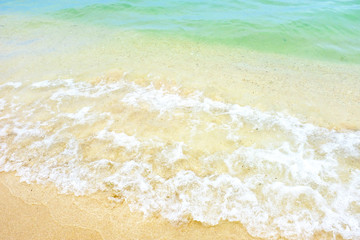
(327, 30)
(161, 107)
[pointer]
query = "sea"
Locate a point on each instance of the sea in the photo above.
(207, 111)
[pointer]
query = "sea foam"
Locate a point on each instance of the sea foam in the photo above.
(277, 175)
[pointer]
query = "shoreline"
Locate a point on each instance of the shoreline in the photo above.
(32, 211)
(39, 212)
(311, 91)
(322, 93)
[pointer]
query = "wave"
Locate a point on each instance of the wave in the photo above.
(310, 29)
(183, 156)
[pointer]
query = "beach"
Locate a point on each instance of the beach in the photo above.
(37, 212)
(109, 132)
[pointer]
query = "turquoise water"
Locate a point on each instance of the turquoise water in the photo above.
(160, 106)
(327, 30)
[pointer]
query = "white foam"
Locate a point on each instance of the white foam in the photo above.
(84, 116)
(291, 186)
(3, 130)
(3, 150)
(120, 139)
(57, 83)
(173, 153)
(2, 104)
(11, 84)
(26, 130)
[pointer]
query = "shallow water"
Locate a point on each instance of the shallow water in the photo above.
(189, 130)
(325, 30)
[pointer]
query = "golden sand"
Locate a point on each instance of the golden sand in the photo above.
(39, 212)
(307, 89)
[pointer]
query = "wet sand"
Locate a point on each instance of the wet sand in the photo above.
(39, 212)
(309, 90)
(21, 220)
(323, 93)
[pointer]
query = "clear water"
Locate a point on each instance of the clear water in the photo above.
(327, 30)
(191, 125)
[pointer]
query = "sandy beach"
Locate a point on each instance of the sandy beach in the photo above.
(121, 135)
(39, 212)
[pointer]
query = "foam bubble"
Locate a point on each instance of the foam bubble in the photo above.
(11, 84)
(2, 104)
(211, 161)
(120, 139)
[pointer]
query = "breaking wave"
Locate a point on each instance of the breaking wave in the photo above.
(183, 156)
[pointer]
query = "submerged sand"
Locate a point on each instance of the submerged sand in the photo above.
(323, 94)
